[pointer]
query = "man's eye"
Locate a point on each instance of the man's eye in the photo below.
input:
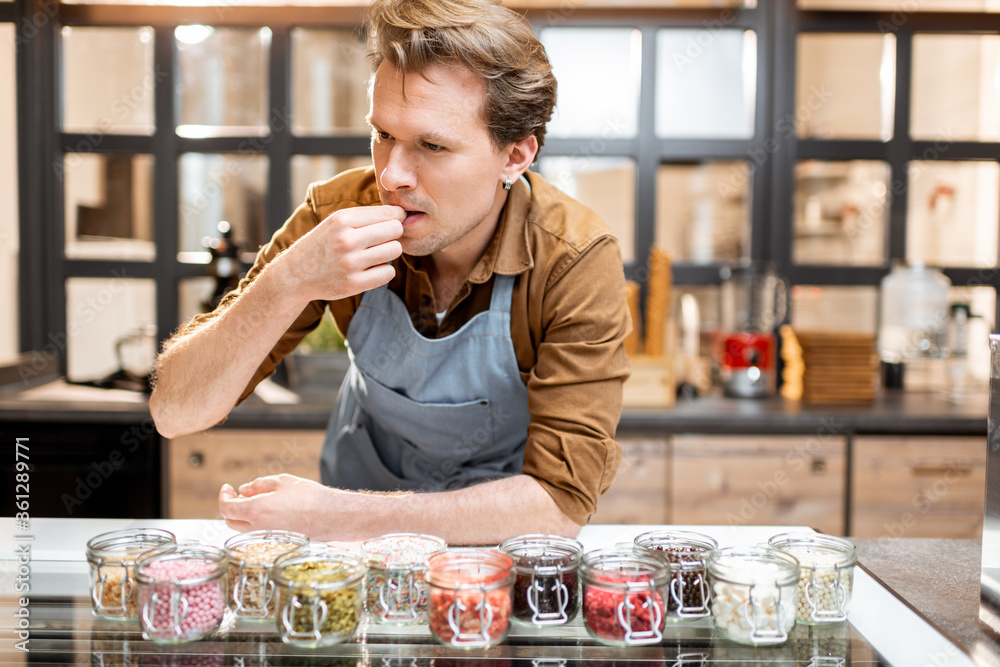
(382, 135)
(434, 148)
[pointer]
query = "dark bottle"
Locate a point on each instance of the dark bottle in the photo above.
(225, 264)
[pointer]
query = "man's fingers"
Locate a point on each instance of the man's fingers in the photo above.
(259, 485)
(385, 252)
(375, 276)
(239, 526)
(232, 507)
(226, 492)
(392, 212)
(363, 216)
(381, 233)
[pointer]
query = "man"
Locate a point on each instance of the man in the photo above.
(484, 310)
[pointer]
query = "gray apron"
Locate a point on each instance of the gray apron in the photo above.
(427, 414)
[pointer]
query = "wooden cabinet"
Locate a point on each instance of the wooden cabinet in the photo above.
(83, 470)
(901, 486)
(199, 464)
(641, 490)
(739, 480)
(759, 480)
(918, 487)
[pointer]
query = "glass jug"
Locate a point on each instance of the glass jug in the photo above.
(754, 302)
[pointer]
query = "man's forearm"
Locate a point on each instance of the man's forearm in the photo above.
(201, 375)
(482, 514)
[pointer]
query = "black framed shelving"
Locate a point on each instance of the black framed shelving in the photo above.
(769, 154)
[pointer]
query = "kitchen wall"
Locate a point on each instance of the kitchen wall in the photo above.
(8, 196)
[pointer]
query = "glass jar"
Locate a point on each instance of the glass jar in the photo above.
(395, 588)
(820, 644)
(753, 593)
(546, 586)
(827, 574)
(471, 594)
(111, 559)
(686, 552)
(251, 556)
(624, 596)
(182, 591)
(319, 595)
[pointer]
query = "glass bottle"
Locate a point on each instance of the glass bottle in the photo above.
(913, 313)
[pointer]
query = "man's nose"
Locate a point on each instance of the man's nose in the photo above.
(399, 171)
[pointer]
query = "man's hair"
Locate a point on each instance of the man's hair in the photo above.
(490, 40)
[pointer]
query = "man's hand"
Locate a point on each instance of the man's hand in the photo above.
(283, 502)
(346, 254)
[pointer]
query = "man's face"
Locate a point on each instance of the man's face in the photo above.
(433, 157)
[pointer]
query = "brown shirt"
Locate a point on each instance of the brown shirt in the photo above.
(568, 320)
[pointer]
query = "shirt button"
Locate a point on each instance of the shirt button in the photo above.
(425, 300)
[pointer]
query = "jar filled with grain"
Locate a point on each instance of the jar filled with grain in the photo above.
(111, 559)
(686, 553)
(547, 583)
(251, 556)
(318, 595)
(470, 596)
(827, 574)
(395, 588)
(753, 593)
(182, 591)
(624, 596)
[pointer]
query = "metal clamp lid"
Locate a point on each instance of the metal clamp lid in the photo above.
(757, 611)
(485, 612)
(625, 610)
(319, 611)
(536, 587)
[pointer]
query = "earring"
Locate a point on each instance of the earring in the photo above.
(507, 183)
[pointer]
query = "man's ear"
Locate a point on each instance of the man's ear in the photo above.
(520, 155)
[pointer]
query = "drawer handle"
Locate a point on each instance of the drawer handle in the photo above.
(940, 469)
(196, 459)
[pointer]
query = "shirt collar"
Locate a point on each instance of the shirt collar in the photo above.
(509, 252)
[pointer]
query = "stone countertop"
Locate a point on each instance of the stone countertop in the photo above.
(939, 579)
(892, 413)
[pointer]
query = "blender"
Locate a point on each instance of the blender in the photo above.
(754, 303)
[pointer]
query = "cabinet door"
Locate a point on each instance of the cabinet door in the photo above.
(640, 492)
(766, 480)
(82, 470)
(199, 464)
(919, 487)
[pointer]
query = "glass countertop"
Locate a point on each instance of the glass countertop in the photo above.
(881, 629)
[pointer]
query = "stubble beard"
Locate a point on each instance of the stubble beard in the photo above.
(435, 241)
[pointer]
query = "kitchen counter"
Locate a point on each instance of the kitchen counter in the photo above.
(892, 413)
(880, 630)
(940, 580)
